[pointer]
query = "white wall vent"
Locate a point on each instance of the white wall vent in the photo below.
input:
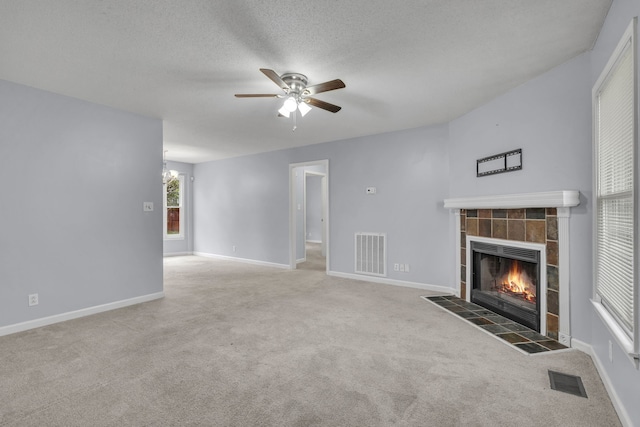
(371, 253)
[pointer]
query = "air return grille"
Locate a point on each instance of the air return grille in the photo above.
(567, 383)
(371, 253)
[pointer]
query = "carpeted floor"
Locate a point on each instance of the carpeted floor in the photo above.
(242, 345)
(314, 259)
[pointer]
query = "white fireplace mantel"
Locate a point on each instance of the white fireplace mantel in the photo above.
(547, 199)
(563, 200)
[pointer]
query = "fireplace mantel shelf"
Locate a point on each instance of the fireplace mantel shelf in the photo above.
(547, 199)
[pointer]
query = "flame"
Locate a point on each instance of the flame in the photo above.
(518, 282)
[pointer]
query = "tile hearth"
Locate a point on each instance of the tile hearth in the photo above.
(515, 334)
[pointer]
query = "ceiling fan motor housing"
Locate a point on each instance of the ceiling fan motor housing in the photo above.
(297, 82)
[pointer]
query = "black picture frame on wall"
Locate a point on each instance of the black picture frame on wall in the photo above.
(508, 161)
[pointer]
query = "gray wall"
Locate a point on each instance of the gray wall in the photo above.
(244, 202)
(410, 172)
(183, 246)
(314, 208)
(75, 176)
(549, 117)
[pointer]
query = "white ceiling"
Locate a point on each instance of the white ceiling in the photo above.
(405, 63)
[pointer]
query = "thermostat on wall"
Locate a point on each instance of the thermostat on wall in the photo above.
(371, 190)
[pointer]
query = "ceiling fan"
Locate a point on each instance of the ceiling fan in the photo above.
(296, 93)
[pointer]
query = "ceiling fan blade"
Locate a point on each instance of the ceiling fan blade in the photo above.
(256, 95)
(275, 78)
(324, 105)
(324, 87)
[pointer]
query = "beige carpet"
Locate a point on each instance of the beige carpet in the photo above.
(242, 345)
(314, 259)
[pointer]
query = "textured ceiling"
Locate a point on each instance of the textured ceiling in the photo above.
(405, 63)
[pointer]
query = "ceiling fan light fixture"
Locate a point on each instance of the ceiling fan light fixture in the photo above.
(296, 92)
(283, 111)
(304, 108)
(290, 104)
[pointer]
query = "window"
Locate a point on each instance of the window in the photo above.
(616, 182)
(173, 208)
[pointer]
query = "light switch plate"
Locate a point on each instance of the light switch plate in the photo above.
(147, 206)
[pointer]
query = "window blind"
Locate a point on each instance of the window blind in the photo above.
(615, 188)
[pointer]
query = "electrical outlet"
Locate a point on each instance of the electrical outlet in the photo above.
(396, 267)
(234, 248)
(33, 300)
(406, 268)
(402, 267)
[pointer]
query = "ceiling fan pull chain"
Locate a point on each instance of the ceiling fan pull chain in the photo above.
(295, 114)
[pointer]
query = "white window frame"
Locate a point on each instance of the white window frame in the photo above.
(630, 342)
(180, 235)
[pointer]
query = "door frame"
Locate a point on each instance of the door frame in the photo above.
(292, 210)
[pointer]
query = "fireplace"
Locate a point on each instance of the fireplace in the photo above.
(524, 220)
(506, 279)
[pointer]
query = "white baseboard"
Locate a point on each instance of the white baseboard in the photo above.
(386, 281)
(582, 346)
(314, 241)
(301, 260)
(608, 385)
(177, 254)
(243, 260)
(50, 320)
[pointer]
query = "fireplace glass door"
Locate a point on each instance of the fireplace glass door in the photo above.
(505, 280)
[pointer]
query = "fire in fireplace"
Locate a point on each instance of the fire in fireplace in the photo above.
(515, 283)
(505, 280)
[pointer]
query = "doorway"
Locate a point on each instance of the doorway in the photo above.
(309, 215)
(314, 232)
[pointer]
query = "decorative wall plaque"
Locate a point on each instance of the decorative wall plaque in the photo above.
(499, 163)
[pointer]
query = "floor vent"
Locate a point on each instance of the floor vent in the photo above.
(567, 383)
(371, 253)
